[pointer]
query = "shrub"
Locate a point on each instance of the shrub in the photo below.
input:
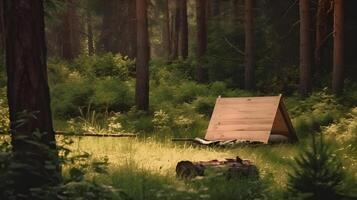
(344, 130)
(58, 71)
(204, 105)
(189, 91)
(112, 94)
(68, 97)
(106, 65)
(318, 173)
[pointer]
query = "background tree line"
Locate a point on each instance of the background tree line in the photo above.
(256, 45)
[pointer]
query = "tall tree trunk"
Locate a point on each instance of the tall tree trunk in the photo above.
(166, 30)
(235, 10)
(132, 29)
(27, 90)
(305, 48)
(249, 82)
(183, 29)
(201, 6)
(175, 25)
(90, 39)
(321, 33)
(338, 47)
(70, 31)
(143, 56)
(2, 31)
(108, 41)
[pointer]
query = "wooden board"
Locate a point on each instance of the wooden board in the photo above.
(249, 118)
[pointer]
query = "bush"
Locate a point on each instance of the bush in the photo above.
(189, 91)
(318, 173)
(112, 94)
(106, 65)
(68, 97)
(204, 105)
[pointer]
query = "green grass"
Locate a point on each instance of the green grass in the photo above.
(145, 168)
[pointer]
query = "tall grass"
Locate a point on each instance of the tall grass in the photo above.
(145, 169)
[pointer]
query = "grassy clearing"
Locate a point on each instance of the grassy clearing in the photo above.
(145, 168)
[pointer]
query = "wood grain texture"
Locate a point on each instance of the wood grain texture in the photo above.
(249, 118)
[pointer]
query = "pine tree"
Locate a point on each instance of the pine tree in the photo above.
(317, 173)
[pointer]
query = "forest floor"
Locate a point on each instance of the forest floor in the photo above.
(145, 168)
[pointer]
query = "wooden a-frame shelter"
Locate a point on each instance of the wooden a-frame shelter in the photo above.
(253, 119)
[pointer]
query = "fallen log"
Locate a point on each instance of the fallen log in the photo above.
(232, 168)
(94, 134)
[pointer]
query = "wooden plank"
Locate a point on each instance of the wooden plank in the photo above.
(285, 114)
(241, 127)
(247, 118)
(261, 136)
(242, 121)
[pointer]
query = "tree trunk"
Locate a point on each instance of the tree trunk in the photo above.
(90, 32)
(166, 30)
(132, 29)
(183, 29)
(305, 48)
(70, 27)
(249, 82)
(201, 39)
(27, 90)
(321, 33)
(143, 56)
(2, 31)
(338, 47)
(174, 32)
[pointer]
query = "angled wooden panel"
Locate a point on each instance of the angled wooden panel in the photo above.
(246, 118)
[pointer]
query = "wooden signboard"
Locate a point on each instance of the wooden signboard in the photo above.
(250, 119)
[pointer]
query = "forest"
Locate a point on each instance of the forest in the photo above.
(120, 99)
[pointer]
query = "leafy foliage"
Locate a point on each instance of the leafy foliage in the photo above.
(318, 173)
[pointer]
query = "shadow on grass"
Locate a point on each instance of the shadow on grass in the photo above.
(143, 184)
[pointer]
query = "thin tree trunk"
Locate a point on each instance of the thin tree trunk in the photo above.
(166, 30)
(201, 6)
(321, 33)
(2, 31)
(27, 90)
(305, 48)
(175, 25)
(132, 29)
(90, 32)
(249, 82)
(143, 56)
(338, 47)
(183, 29)
(70, 32)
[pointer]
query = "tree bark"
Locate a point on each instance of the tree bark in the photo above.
(132, 29)
(143, 56)
(321, 33)
(175, 29)
(27, 90)
(338, 47)
(166, 30)
(201, 6)
(90, 39)
(183, 29)
(2, 31)
(70, 29)
(305, 48)
(249, 82)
